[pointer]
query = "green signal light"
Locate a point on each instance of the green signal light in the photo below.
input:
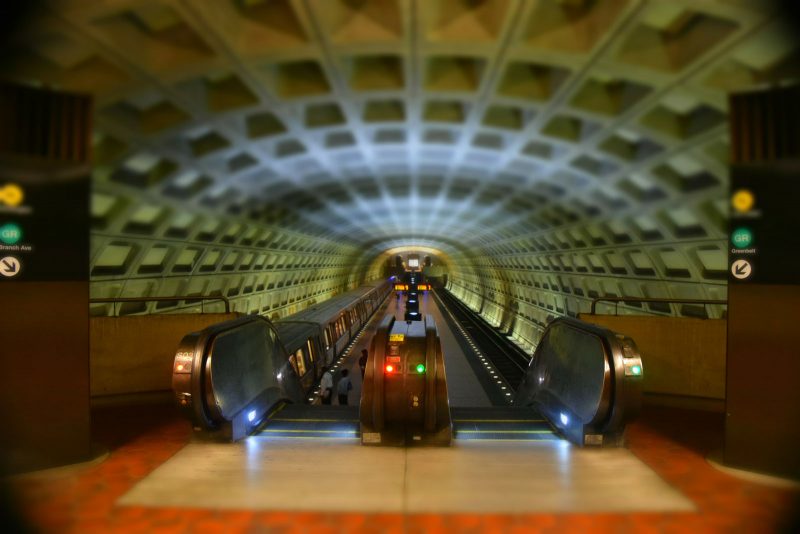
(636, 369)
(420, 368)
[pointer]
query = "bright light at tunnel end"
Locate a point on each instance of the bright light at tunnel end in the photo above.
(564, 418)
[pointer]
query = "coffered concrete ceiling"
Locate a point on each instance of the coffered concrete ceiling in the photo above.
(520, 135)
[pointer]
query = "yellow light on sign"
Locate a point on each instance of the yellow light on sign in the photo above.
(743, 200)
(11, 195)
(399, 338)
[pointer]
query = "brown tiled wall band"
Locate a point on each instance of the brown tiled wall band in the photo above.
(45, 124)
(764, 125)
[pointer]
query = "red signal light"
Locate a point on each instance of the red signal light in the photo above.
(390, 368)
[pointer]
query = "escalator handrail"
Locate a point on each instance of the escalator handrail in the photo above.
(704, 302)
(113, 300)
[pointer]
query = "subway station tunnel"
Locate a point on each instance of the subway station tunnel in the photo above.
(541, 153)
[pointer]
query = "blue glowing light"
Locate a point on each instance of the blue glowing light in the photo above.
(251, 416)
(564, 419)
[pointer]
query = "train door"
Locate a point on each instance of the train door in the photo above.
(347, 323)
(330, 350)
(339, 341)
(317, 363)
(301, 366)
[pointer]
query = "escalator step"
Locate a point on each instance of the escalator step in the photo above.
(522, 435)
(309, 434)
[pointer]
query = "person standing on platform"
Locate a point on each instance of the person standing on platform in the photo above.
(362, 362)
(326, 387)
(343, 388)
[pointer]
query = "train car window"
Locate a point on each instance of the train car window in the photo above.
(311, 353)
(293, 361)
(301, 364)
(327, 337)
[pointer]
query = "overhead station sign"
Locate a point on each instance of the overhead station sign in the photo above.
(764, 228)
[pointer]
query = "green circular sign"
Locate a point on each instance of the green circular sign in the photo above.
(742, 238)
(10, 233)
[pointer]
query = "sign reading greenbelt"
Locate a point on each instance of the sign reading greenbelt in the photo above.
(742, 238)
(44, 226)
(764, 228)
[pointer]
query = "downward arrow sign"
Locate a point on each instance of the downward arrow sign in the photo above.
(10, 267)
(741, 269)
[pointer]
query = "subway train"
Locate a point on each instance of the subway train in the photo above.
(229, 374)
(315, 337)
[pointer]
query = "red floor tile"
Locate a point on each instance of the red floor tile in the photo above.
(672, 442)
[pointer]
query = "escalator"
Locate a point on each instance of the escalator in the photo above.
(583, 383)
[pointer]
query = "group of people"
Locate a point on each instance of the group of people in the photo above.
(344, 385)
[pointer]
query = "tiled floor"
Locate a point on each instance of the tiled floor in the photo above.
(515, 477)
(672, 442)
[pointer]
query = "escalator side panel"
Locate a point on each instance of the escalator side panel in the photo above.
(586, 380)
(236, 381)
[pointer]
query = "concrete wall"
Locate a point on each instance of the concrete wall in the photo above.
(134, 354)
(680, 356)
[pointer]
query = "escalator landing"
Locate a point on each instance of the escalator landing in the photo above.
(304, 421)
(500, 423)
(468, 477)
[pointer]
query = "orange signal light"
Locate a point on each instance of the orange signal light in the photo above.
(390, 368)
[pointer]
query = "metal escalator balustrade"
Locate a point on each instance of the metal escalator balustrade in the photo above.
(404, 397)
(586, 380)
(227, 376)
